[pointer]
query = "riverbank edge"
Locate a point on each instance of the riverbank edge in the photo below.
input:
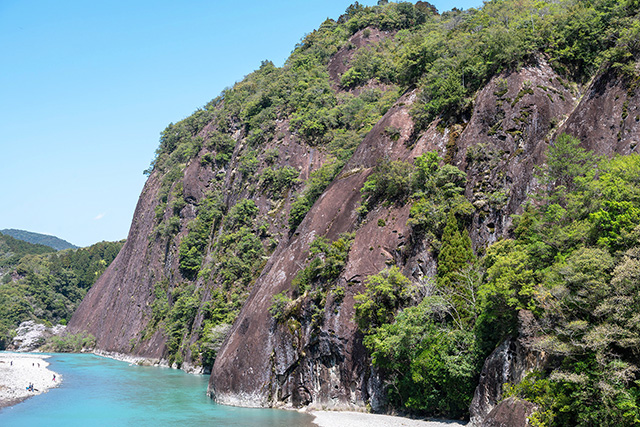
(148, 361)
(16, 378)
(367, 419)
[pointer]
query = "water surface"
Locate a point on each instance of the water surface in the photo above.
(98, 391)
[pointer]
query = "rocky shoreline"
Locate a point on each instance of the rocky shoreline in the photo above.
(18, 370)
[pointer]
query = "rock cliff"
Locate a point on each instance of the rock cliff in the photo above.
(218, 200)
(329, 368)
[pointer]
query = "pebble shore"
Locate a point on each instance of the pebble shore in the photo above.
(18, 370)
(362, 419)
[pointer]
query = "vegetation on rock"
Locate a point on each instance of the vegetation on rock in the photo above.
(572, 263)
(266, 150)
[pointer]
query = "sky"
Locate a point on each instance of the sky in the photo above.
(86, 87)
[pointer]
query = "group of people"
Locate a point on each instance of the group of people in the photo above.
(30, 386)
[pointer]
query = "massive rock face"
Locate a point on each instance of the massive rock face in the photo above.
(263, 363)
(514, 118)
(266, 363)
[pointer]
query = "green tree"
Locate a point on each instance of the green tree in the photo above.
(456, 252)
(566, 161)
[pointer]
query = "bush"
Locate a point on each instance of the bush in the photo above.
(70, 343)
(386, 292)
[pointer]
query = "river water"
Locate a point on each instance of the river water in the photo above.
(98, 391)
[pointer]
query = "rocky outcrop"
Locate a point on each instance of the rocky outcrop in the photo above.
(509, 363)
(31, 335)
(511, 412)
(607, 120)
(297, 365)
(330, 368)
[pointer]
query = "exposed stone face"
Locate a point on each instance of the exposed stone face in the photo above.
(31, 335)
(509, 363)
(513, 120)
(510, 128)
(607, 120)
(511, 412)
(117, 308)
(299, 366)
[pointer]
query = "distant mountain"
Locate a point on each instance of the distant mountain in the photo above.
(39, 239)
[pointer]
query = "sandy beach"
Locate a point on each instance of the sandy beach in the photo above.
(17, 370)
(362, 419)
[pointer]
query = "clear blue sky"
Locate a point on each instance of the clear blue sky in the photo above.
(86, 87)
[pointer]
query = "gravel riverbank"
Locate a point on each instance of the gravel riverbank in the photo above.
(18, 370)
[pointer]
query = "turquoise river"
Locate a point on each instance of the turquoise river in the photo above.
(98, 391)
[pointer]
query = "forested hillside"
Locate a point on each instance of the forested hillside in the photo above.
(367, 224)
(39, 239)
(40, 284)
(12, 249)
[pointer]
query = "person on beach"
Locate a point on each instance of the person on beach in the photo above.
(54, 377)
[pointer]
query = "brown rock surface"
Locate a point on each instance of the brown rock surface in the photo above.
(511, 412)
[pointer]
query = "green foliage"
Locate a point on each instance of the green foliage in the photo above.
(432, 370)
(12, 250)
(193, 246)
(37, 239)
(279, 304)
(430, 363)
(222, 145)
(566, 162)
(386, 292)
(390, 181)
(438, 192)
(391, 16)
(612, 221)
(453, 55)
(211, 338)
(179, 320)
(276, 180)
(436, 189)
(456, 252)
(448, 58)
(70, 343)
(573, 264)
(326, 262)
(577, 270)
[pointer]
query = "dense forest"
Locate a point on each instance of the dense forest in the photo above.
(565, 274)
(38, 283)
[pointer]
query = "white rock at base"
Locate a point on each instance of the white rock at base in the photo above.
(31, 335)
